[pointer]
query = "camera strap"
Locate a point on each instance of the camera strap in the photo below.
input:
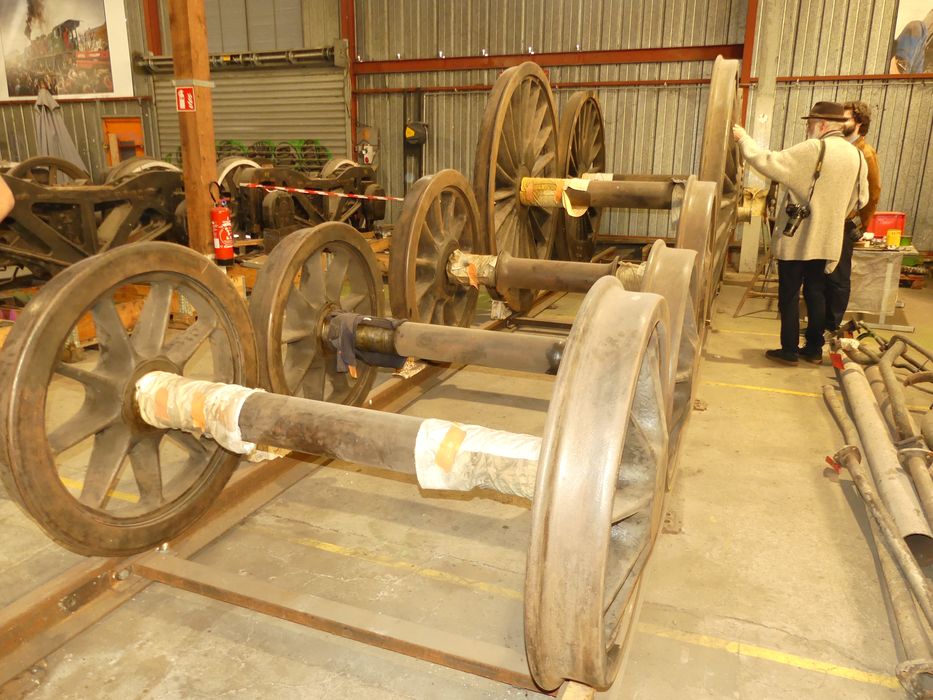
(817, 170)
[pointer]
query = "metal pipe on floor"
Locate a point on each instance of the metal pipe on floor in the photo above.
(894, 485)
(850, 458)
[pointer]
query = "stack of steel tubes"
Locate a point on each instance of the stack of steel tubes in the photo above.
(896, 487)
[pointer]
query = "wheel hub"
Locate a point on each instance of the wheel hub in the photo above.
(130, 408)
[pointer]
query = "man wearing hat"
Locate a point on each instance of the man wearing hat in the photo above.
(825, 178)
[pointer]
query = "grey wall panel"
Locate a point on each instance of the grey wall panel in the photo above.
(901, 131)
(422, 28)
(275, 104)
(261, 25)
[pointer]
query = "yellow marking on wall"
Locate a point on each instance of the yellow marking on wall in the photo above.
(780, 657)
(728, 330)
(810, 394)
(75, 485)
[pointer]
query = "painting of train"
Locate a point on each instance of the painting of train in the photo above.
(61, 45)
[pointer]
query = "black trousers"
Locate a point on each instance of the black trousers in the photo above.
(791, 275)
(838, 286)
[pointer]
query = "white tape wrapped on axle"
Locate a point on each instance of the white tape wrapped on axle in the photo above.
(457, 457)
(173, 402)
(472, 270)
(576, 206)
(631, 275)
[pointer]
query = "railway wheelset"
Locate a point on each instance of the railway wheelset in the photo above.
(168, 409)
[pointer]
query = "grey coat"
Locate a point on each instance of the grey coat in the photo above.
(842, 187)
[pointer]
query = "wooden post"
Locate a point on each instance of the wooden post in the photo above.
(189, 55)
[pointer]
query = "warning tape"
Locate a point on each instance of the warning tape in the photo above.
(326, 193)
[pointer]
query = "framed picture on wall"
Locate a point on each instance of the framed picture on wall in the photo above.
(74, 48)
(913, 31)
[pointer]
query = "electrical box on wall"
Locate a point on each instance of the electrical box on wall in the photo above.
(367, 144)
(416, 134)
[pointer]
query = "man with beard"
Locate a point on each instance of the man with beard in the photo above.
(825, 178)
(858, 119)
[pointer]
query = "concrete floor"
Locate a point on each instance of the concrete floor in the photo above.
(761, 585)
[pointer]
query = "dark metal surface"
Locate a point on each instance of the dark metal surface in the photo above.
(518, 138)
(721, 162)
(581, 147)
(631, 194)
(47, 170)
(95, 477)
(440, 215)
(599, 492)
(52, 227)
(526, 274)
(312, 273)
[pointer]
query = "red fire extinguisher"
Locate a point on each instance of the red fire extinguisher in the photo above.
(221, 227)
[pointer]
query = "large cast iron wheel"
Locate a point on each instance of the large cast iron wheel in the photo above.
(95, 477)
(136, 165)
(695, 231)
(600, 487)
(311, 274)
(721, 162)
(440, 216)
(673, 273)
(518, 139)
(45, 170)
(582, 149)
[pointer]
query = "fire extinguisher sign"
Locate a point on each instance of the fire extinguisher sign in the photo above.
(184, 99)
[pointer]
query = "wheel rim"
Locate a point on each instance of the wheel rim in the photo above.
(46, 170)
(721, 162)
(695, 230)
(582, 147)
(439, 216)
(518, 138)
(136, 165)
(98, 480)
(576, 627)
(335, 270)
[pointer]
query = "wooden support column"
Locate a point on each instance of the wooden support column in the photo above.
(348, 32)
(189, 54)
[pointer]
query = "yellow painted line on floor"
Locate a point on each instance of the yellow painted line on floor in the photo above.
(780, 657)
(770, 390)
(75, 485)
(376, 558)
(728, 330)
(810, 394)
(730, 646)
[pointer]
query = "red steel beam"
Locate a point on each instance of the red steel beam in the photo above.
(153, 26)
(748, 50)
(573, 58)
(348, 32)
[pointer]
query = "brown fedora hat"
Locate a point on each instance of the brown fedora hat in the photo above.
(827, 111)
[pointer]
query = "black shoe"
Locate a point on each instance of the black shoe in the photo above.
(814, 357)
(782, 356)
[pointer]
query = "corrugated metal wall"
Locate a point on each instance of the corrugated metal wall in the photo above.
(649, 129)
(84, 119)
(854, 37)
(277, 104)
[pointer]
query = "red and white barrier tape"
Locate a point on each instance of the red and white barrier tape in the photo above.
(326, 193)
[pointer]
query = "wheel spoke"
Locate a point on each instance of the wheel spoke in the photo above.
(352, 301)
(197, 448)
(93, 417)
(312, 280)
(92, 381)
(336, 274)
(114, 343)
(543, 161)
(104, 465)
(147, 470)
(631, 500)
(149, 333)
(182, 348)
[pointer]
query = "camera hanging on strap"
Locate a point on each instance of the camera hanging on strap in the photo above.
(798, 212)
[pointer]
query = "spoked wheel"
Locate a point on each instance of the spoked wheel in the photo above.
(229, 171)
(721, 162)
(582, 149)
(335, 167)
(311, 274)
(76, 455)
(136, 165)
(518, 139)
(47, 170)
(439, 216)
(600, 488)
(673, 273)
